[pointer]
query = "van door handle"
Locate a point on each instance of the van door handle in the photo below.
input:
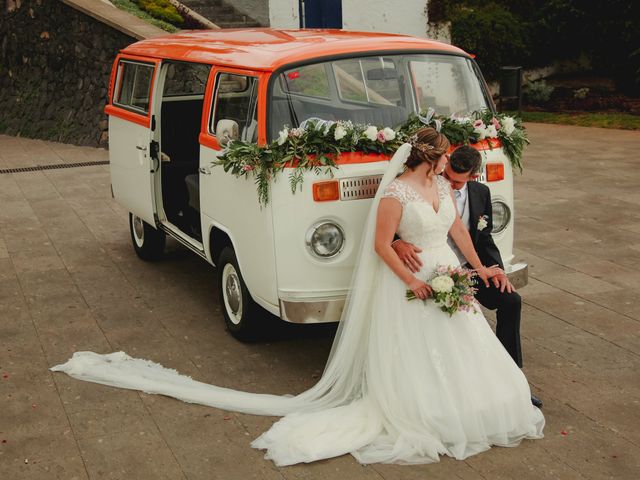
(204, 171)
(144, 149)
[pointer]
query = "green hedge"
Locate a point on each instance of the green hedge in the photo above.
(493, 34)
(535, 33)
(162, 10)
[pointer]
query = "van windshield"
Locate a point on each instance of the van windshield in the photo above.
(376, 90)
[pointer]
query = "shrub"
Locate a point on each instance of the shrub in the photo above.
(581, 93)
(538, 92)
(162, 10)
(493, 34)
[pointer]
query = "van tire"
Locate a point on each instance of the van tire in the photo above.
(243, 317)
(148, 242)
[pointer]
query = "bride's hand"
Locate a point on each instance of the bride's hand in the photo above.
(420, 289)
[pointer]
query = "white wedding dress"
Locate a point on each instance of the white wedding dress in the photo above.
(405, 383)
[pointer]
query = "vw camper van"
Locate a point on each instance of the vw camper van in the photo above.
(175, 103)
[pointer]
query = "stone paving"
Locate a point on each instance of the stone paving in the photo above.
(69, 280)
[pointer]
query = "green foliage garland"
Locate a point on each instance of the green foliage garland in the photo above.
(316, 145)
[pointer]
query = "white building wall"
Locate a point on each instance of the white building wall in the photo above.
(284, 14)
(407, 17)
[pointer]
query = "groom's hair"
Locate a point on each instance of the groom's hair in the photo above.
(465, 159)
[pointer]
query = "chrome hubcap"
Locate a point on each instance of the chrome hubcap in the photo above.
(138, 229)
(232, 293)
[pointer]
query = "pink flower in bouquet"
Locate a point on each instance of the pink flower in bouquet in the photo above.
(247, 168)
(380, 137)
(478, 123)
(496, 123)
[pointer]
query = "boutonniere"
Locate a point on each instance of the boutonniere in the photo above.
(482, 222)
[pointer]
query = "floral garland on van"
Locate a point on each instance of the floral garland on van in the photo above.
(315, 145)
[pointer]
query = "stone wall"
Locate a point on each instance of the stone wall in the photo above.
(55, 64)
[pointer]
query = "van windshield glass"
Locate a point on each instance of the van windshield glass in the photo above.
(376, 90)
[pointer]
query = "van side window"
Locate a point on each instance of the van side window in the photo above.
(134, 86)
(237, 99)
(185, 79)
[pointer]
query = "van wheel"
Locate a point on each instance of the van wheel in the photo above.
(242, 316)
(148, 242)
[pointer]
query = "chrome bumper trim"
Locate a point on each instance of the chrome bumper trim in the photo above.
(309, 311)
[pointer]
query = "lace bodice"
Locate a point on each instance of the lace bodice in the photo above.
(420, 223)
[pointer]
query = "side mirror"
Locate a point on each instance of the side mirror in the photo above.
(227, 131)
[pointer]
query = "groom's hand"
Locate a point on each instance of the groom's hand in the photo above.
(502, 282)
(408, 253)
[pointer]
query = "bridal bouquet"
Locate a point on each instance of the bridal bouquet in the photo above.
(453, 289)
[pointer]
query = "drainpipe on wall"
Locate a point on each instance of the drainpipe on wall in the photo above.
(303, 18)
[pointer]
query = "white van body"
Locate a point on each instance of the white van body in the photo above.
(167, 99)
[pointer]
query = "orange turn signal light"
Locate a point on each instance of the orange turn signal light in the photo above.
(326, 191)
(495, 172)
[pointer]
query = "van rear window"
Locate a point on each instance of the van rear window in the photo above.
(134, 86)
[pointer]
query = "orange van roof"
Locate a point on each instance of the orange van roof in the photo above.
(268, 49)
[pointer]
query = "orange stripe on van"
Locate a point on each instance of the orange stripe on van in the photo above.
(208, 140)
(487, 144)
(127, 115)
(350, 158)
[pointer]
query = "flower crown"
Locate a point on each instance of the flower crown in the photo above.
(423, 147)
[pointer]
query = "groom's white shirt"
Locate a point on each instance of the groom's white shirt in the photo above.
(462, 202)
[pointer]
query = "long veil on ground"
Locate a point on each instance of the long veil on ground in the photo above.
(342, 382)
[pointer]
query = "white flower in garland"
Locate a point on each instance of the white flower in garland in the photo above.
(491, 131)
(371, 133)
(339, 133)
(389, 134)
(282, 136)
(480, 128)
(508, 125)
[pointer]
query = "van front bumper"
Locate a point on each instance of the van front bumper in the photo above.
(329, 309)
(312, 310)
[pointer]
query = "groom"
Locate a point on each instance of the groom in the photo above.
(473, 201)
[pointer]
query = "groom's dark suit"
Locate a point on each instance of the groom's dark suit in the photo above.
(508, 305)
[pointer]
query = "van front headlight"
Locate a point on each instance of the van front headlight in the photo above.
(325, 239)
(501, 216)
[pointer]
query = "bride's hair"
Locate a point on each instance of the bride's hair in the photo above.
(427, 146)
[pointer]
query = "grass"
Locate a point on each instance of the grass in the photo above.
(624, 121)
(132, 8)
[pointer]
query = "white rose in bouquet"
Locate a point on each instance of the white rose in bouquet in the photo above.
(508, 125)
(389, 134)
(371, 133)
(339, 132)
(442, 284)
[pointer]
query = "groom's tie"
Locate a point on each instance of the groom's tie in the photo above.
(459, 203)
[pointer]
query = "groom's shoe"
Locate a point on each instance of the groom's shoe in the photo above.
(536, 401)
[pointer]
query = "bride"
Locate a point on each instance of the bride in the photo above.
(404, 383)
